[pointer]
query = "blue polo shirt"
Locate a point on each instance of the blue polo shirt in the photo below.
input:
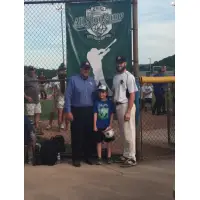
(79, 92)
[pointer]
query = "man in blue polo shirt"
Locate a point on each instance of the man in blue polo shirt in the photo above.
(79, 99)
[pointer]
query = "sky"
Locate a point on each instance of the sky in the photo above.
(156, 31)
(42, 33)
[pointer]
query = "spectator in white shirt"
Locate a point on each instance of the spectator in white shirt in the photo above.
(147, 91)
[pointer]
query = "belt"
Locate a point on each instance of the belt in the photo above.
(118, 103)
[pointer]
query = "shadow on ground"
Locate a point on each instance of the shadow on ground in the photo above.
(148, 180)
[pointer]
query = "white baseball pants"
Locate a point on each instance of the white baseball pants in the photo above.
(127, 130)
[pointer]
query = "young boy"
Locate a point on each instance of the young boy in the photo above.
(103, 117)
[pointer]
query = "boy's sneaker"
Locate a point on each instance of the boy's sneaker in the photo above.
(129, 163)
(99, 161)
(122, 159)
(109, 161)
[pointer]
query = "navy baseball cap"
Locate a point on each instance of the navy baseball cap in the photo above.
(85, 65)
(120, 59)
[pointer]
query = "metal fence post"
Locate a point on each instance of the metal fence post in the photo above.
(66, 27)
(136, 73)
(140, 137)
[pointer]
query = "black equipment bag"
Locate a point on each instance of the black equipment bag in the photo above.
(47, 153)
(60, 143)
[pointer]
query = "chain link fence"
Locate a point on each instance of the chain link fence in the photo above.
(44, 35)
(158, 131)
(45, 49)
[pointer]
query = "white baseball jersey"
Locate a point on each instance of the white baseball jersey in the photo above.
(122, 82)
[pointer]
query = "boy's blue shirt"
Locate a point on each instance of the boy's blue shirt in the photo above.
(104, 109)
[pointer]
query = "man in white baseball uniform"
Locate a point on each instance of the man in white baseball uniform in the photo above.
(124, 88)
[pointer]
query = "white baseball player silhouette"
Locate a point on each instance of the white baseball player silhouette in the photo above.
(95, 56)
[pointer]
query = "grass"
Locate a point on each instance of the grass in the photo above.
(46, 109)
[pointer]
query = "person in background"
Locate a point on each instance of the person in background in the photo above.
(147, 91)
(31, 96)
(42, 81)
(141, 98)
(164, 90)
(58, 92)
(124, 89)
(79, 101)
(103, 118)
(159, 93)
(29, 139)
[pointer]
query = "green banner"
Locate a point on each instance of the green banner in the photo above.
(98, 32)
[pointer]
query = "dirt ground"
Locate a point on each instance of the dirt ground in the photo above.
(147, 180)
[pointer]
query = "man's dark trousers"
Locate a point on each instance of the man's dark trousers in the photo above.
(82, 137)
(163, 108)
(158, 103)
